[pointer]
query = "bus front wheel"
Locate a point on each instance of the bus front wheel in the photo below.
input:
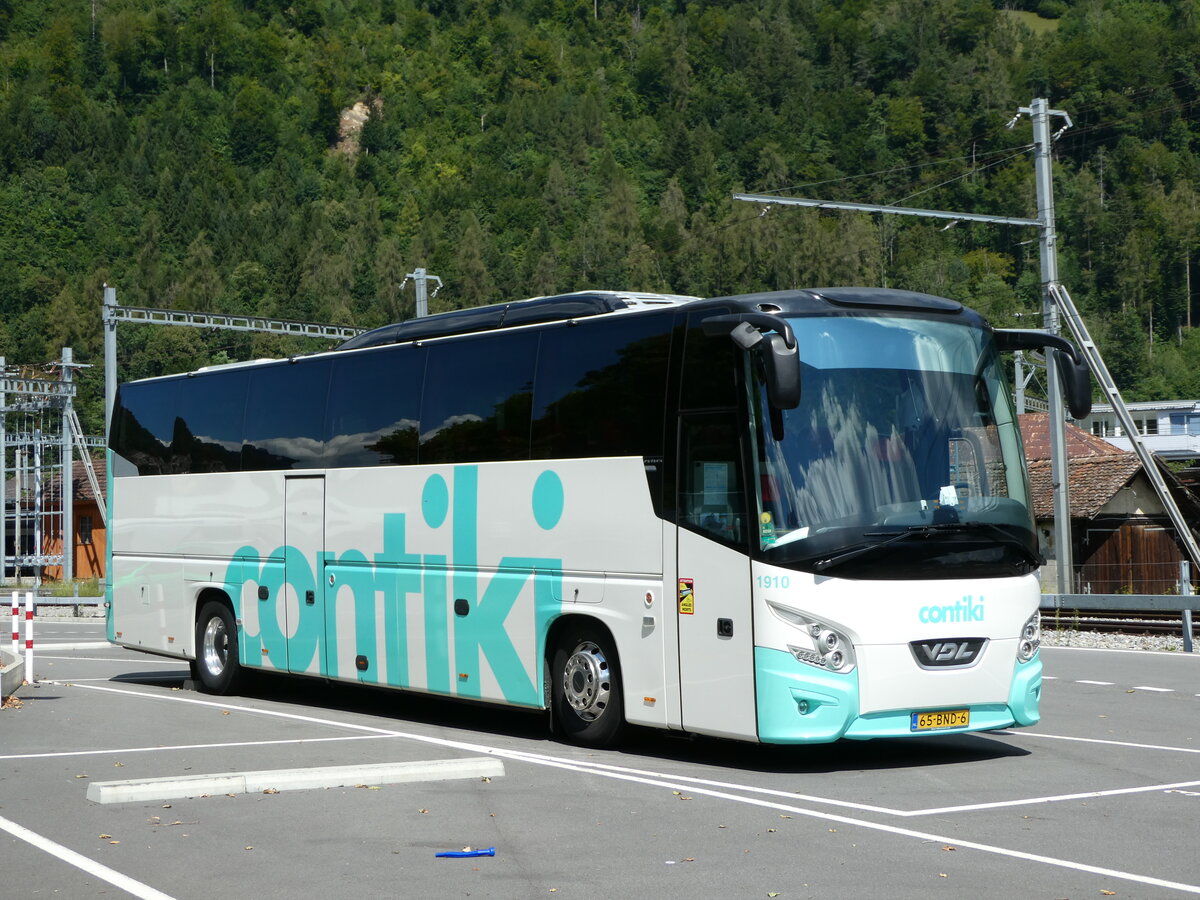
(586, 689)
(216, 663)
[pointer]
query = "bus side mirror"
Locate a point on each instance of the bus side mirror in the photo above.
(778, 352)
(1077, 383)
(781, 365)
(1072, 367)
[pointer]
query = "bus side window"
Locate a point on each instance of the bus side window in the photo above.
(285, 416)
(144, 423)
(375, 407)
(599, 389)
(208, 429)
(477, 400)
(712, 497)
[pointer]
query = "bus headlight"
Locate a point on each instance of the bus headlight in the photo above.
(1031, 638)
(818, 643)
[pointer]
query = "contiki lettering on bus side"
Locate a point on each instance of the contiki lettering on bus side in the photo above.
(396, 575)
(965, 610)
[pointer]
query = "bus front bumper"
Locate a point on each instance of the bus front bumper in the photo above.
(800, 704)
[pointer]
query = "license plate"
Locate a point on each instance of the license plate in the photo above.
(945, 718)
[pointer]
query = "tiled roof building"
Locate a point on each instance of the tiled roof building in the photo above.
(1122, 539)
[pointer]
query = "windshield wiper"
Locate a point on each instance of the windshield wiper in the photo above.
(923, 531)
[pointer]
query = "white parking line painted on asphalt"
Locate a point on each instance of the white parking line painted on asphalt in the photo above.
(120, 659)
(77, 645)
(1101, 683)
(1130, 744)
(903, 813)
(274, 780)
(1157, 690)
(79, 861)
(1033, 801)
(674, 783)
(217, 746)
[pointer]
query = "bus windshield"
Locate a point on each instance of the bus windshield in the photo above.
(903, 458)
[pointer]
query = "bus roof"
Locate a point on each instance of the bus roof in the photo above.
(559, 307)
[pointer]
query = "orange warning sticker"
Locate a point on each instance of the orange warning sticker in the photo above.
(687, 598)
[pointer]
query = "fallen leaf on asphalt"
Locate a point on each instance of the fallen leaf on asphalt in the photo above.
(1110, 893)
(249, 848)
(771, 830)
(104, 837)
(948, 847)
(486, 780)
(224, 712)
(81, 776)
(118, 765)
(271, 791)
(942, 875)
(422, 811)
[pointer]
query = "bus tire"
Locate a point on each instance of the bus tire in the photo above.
(217, 664)
(586, 688)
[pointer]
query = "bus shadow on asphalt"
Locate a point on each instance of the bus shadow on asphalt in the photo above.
(399, 709)
(171, 678)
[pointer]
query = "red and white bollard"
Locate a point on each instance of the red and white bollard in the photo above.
(29, 636)
(16, 620)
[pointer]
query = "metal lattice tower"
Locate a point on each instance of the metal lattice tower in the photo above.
(39, 436)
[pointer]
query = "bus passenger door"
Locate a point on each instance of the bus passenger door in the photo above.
(713, 603)
(304, 593)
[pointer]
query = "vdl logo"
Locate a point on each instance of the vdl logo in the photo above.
(426, 581)
(965, 610)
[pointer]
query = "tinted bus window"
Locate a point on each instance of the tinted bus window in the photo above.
(601, 388)
(144, 423)
(710, 367)
(285, 416)
(375, 407)
(208, 431)
(477, 399)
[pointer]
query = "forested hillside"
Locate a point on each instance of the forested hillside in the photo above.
(188, 152)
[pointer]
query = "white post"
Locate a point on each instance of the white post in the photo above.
(29, 636)
(1185, 588)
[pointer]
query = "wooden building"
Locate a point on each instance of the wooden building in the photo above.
(90, 535)
(1122, 539)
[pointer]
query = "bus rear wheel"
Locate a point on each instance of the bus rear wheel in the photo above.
(216, 664)
(586, 689)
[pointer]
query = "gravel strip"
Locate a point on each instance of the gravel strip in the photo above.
(1065, 637)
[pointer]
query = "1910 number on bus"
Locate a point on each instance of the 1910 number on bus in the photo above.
(773, 582)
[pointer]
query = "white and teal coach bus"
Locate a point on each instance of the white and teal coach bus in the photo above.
(785, 517)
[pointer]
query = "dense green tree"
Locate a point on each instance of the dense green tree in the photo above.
(193, 154)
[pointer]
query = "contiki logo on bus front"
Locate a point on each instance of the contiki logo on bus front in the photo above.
(965, 610)
(382, 587)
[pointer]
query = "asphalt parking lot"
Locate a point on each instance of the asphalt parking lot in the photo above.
(1100, 799)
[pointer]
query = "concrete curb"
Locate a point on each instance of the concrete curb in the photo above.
(170, 788)
(12, 673)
